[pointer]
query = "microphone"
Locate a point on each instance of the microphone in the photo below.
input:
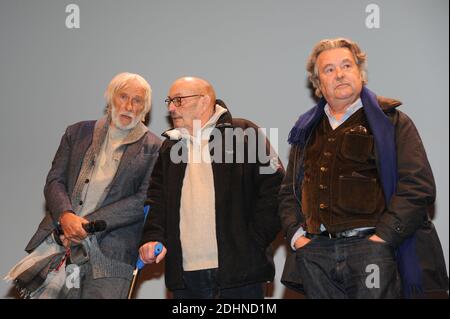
(94, 226)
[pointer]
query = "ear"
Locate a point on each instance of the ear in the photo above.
(319, 86)
(206, 101)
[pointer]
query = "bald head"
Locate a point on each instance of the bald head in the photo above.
(195, 86)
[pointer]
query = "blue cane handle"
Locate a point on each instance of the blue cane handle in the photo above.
(158, 249)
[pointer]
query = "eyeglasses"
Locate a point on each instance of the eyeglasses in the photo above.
(177, 100)
(135, 101)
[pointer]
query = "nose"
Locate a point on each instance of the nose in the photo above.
(128, 106)
(339, 72)
(171, 107)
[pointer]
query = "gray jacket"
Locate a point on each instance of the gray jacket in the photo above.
(122, 204)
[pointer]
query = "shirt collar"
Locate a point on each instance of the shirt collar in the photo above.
(334, 123)
(176, 134)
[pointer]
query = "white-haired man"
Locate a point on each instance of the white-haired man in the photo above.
(101, 171)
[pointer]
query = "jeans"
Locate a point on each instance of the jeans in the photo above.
(202, 284)
(344, 268)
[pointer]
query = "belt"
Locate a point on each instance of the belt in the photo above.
(343, 234)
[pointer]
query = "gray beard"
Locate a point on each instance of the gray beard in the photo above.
(115, 120)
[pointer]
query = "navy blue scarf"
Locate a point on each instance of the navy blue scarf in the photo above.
(384, 134)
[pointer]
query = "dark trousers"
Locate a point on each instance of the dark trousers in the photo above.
(202, 284)
(348, 268)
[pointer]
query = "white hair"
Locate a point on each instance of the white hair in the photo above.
(120, 81)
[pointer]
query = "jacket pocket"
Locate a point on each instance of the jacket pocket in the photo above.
(104, 266)
(357, 147)
(357, 194)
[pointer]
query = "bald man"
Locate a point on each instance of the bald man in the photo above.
(214, 204)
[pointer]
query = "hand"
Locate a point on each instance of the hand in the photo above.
(301, 241)
(65, 241)
(72, 227)
(147, 253)
(377, 239)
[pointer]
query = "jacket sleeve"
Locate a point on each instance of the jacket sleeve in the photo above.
(154, 228)
(55, 190)
(128, 210)
(415, 190)
(268, 176)
(289, 208)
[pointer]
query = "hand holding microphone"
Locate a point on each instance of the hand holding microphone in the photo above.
(72, 227)
(76, 228)
(94, 226)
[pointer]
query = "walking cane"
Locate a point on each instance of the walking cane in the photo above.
(140, 264)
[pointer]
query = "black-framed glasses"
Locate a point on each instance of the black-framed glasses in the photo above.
(178, 100)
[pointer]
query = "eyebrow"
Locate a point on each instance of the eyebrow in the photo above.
(123, 92)
(327, 65)
(347, 60)
(332, 64)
